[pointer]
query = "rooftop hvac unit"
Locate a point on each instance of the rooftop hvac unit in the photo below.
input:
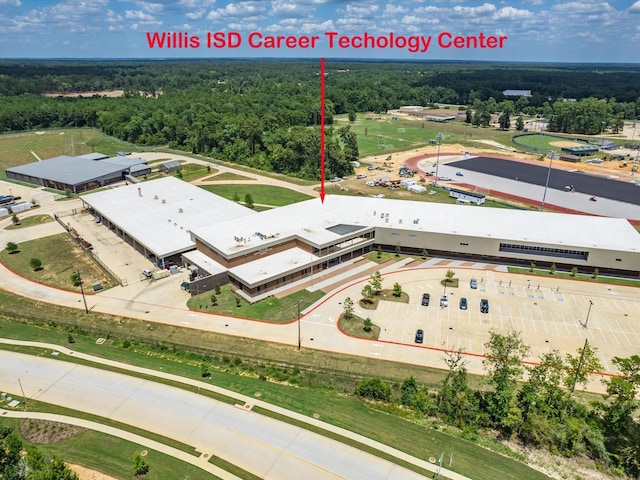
(180, 210)
(400, 221)
(164, 201)
(139, 191)
(155, 197)
(386, 220)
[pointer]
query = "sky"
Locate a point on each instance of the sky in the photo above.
(523, 31)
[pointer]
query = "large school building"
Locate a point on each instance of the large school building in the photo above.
(262, 251)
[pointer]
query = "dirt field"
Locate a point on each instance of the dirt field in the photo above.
(565, 143)
(87, 474)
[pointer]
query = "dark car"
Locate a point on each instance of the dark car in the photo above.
(425, 299)
(463, 303)
(484, 306)
(419, 336)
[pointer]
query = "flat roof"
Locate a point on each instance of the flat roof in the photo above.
(160, 214)
(310, 219)
(68, 170)
(273, 266)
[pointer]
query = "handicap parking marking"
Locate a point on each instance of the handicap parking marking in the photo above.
(501, 293)
(512, 294)
(531, 296)
(560, 299)
(540, 297)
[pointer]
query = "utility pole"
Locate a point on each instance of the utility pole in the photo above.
(439, 138)
(552, 155)
(84, 299)
(24, 397)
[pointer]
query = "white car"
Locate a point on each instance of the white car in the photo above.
(362, 175)
(444, 301)
(444, 179)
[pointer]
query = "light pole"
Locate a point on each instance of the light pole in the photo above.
(439, 138)
(299, 337)
(552, 155)
(84, 299)
(586, 322)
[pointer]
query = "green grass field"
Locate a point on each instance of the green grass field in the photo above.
(272, 309)
(229, 176)
(30, 221)
(60, 257)
(15, 148)
(262, 194)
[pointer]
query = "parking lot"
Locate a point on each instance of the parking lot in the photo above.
(549, 315)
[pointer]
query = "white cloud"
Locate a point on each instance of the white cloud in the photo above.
(195, 15)
(286, 8)
(635, 8)
(11, 3)
(196, 3)
(582, 8)
(138, 15)
(240, 9)
(483, 9)
(395, 9)
(510, 13)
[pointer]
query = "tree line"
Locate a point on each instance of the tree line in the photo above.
(535, 404)
(266, 114)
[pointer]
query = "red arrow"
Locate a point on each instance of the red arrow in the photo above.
(322, 194)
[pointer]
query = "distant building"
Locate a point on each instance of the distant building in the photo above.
(170, 166)
(517, 93)
(470, 197)
(78, 174)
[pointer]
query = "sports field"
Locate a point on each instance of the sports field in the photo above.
(545, 143)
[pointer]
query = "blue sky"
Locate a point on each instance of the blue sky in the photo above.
(537, 30)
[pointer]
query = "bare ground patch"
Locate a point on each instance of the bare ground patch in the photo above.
(44, 432)
(565, 143)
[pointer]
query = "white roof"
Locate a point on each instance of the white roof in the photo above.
(203, 261)
(272, 266)
(310, 219)
(160, 214)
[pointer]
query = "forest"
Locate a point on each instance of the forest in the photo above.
(265, 114)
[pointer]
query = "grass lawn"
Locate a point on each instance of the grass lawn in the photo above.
(192, 171)
(114, 456)
(384, 257)
(385, 294)
(228, 176)
(272, 309)
(15, 147)
(354, 326)
(585, 277)
(30, 221)
(263, 194)
(60, 257)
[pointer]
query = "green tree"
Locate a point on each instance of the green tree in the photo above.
(15, 220)
(503, 362)
(408, 391)
(398, 250)
(519, 124)
(552, 268)
(76, 279)
(376, 282)
(348, 308)
(12, 247)
(457, 403)
(248, 200)
(367, 293)
(214, 300)
(352, 116)
(449, 276)
(397, 290)
(532, 267)
(236, 197)
(140, 465)
(580, 366)
(504, 120)
(379, 251)
(367, 324)
(374, 389)
(424, 253)
(36, 264)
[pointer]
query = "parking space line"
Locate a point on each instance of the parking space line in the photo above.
(622, 331)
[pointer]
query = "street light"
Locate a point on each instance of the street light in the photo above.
(586, 322)
(552, 155)
(439, 138)
(299, 337)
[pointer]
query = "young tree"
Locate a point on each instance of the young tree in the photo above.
(76, 279)
(368, 293)
(352, 116)
(397, 290)
(15, 220)
(214, 300)
(574, 271)
(12, 247)
(374, 388)
(503, 362)
(552, 269)
(236, 197)
(367, 324)
(348, 307)
(449, 276)
(36, 264)
(504, 120)
(424, 254)
(379, 253)
(398, 250)
(519, 124)
(216, 289)
(248, 200)
(376, 282)
(140, 465)
(532, 267)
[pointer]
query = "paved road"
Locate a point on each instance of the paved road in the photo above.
(596, 185)
(266, 447)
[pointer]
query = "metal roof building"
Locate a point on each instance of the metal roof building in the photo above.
(78, 174)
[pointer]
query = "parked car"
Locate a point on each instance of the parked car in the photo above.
(419, 336)
(463, 303)
(444, 179)
(444, 301)
(335, 180)
(425, 299)
(147, 273)
(371, 167)
(459, 174)
(484, 306)
(361, 175)
(473, 283)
